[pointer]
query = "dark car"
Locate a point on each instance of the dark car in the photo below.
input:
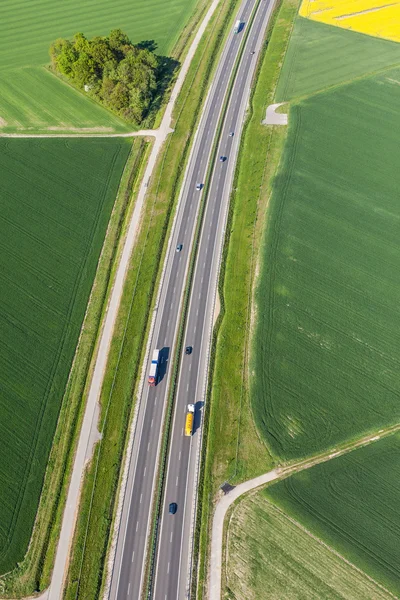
(222, 158)
(232, 133)
(199, 186)
(179, 247)
(173, 507)
(188, 350)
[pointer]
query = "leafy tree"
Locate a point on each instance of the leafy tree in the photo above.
(119, 74)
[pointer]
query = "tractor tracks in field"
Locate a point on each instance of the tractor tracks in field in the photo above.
(224, 502)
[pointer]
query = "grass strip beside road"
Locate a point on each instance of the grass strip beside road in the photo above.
(232, 449)
(33, 573)
(96, 515)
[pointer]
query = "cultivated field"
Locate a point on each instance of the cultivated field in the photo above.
(56, 199)
(320, 56)
(273, 557)
(373, 17)
(328, 342)
(30, 98)
(352, 504)
(325, 361)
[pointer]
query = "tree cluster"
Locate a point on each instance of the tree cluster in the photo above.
(121, 75)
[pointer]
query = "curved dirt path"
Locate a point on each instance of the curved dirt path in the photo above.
(225, 501)
(274, 118)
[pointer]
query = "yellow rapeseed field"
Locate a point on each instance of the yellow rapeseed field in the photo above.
(380, 18)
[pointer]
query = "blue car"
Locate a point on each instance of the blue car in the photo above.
(173, 507)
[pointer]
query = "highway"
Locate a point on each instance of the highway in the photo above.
(174, 547)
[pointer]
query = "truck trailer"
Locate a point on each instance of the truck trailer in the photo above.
(154, 368)
(238, 26)
(189, 423)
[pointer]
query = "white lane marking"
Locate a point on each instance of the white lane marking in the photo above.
(129, 588)
(187, 387)
(168, 322)
(133, 555)
(168, 568)
(144, 472)
(148, 446)
(170, 308)
(155, 401)
(199, 295)
(174, 289)
(195, 329)
(180, 455)
(190, 367)
(137, 525)
(177, 480)
(141, 498)
(152, 423)
(170, 539)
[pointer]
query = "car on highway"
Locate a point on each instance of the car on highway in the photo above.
(199, 186)
(222, 158)
(252, 52)
(179, 247)
(188, 350)
(231, 134)
(173, 507)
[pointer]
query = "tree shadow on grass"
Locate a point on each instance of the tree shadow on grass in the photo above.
(167, 71)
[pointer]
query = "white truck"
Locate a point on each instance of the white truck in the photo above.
(154, 368)
(238, 26)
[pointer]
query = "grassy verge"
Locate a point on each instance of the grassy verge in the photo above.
(33, 574)
(86, 572)
(233, 449)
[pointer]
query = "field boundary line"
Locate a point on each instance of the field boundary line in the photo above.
(328, 547)
(225, 501)
(335, 86)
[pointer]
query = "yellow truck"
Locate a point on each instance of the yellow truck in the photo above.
(189, 423)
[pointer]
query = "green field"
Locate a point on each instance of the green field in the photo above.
(327, 343)
(56, 199)
(320, 56)
(273, 557)
(352, 504)
(30, 97)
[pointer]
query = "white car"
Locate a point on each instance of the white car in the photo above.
(199, 186)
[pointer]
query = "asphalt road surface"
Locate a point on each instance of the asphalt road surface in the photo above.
(174, 548)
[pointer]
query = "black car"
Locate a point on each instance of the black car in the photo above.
(173, 507)
(222, 158)
(188, 350)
